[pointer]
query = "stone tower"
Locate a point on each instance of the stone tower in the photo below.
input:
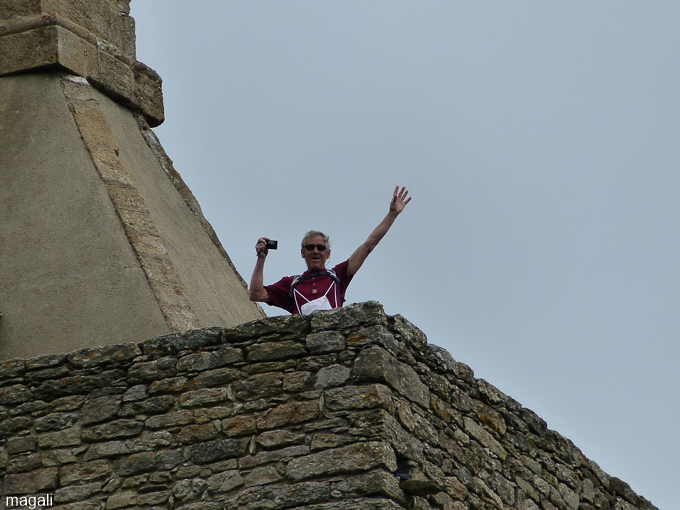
(100, 239)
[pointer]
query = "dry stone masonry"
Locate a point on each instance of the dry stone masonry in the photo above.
(344, 410)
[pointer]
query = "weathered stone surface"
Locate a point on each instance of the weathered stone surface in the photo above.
(365, 415)
(16, 394)
(334, 375)
(93, 356)
(259, 386)
(325, 341)
(202, 361)
(100, 409)
(203, 397)
(113, 430)
(378, 364)
(348, 459)
(152, 370)
(271, 351)
(359, 397)
(41, 480)
(214, 451)
(286, 414)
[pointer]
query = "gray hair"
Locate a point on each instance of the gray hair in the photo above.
(315, 233)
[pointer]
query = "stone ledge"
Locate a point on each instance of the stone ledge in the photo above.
(54, 42)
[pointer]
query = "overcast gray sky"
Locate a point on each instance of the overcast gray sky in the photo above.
(541, 144)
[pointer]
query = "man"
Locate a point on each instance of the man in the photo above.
(319, 288)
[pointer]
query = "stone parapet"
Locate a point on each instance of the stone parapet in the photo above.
(94, 39)
(348, 409)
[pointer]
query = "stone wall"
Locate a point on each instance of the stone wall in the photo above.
(349, 409)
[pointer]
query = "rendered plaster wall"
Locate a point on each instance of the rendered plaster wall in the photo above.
(344, 410)
(99, 237)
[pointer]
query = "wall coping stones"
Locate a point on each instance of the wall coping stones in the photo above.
(344, 409)
(93, 39)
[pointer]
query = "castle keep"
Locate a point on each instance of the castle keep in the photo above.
(100, 238)
(137, 373)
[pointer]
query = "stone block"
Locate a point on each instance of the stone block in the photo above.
(34, 482)
(137, 463)
(84, 472)
(213, 451)
(95, 356)
(113, 430)
(359, 397)
(325, 341)
(259, 386)
(209, 360)
(152, 370)
(347, 459)
(202, 397)
(271, 351)
(17, 394)
(331, 376)
(377, 364)
(289, 413)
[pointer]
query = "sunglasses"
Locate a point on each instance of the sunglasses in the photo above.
(310, 247)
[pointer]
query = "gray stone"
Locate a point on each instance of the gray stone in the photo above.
(271, 351)
(153, 405)
(213, 451)
(113, 430)
(12, 368)
(325, 341)
(84, 472)
(94, 356)
(258, 386)
(196, 433)
(217, 377)
(76, 492)
(271, 456)
(107, 449)
(369, 313)
(56, 421)
(35, 482)
(152, 370)
(289, 413)
(225, 481)
(12, 395)
(175, 419)
(79, 384)
(100, 409)
(136, 392)
(347, 459)
(61, 438)
(209, 360)
(188, 341)
(334, 375)
(203, 397)
(378, 364)
(359, 397)
(275, 497)
(21, 444)
(137, 463)
(262, 476)
(169, 385)
(374, 335)
(168, 459)
(278, 438)
(22, 463)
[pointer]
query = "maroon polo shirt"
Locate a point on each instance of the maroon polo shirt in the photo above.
(310, 288)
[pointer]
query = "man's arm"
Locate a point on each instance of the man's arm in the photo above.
(256, 290)
(399, 200)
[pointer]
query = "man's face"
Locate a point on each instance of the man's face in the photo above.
(315, 258)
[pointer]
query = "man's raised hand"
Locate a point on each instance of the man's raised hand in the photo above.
(399, 199)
